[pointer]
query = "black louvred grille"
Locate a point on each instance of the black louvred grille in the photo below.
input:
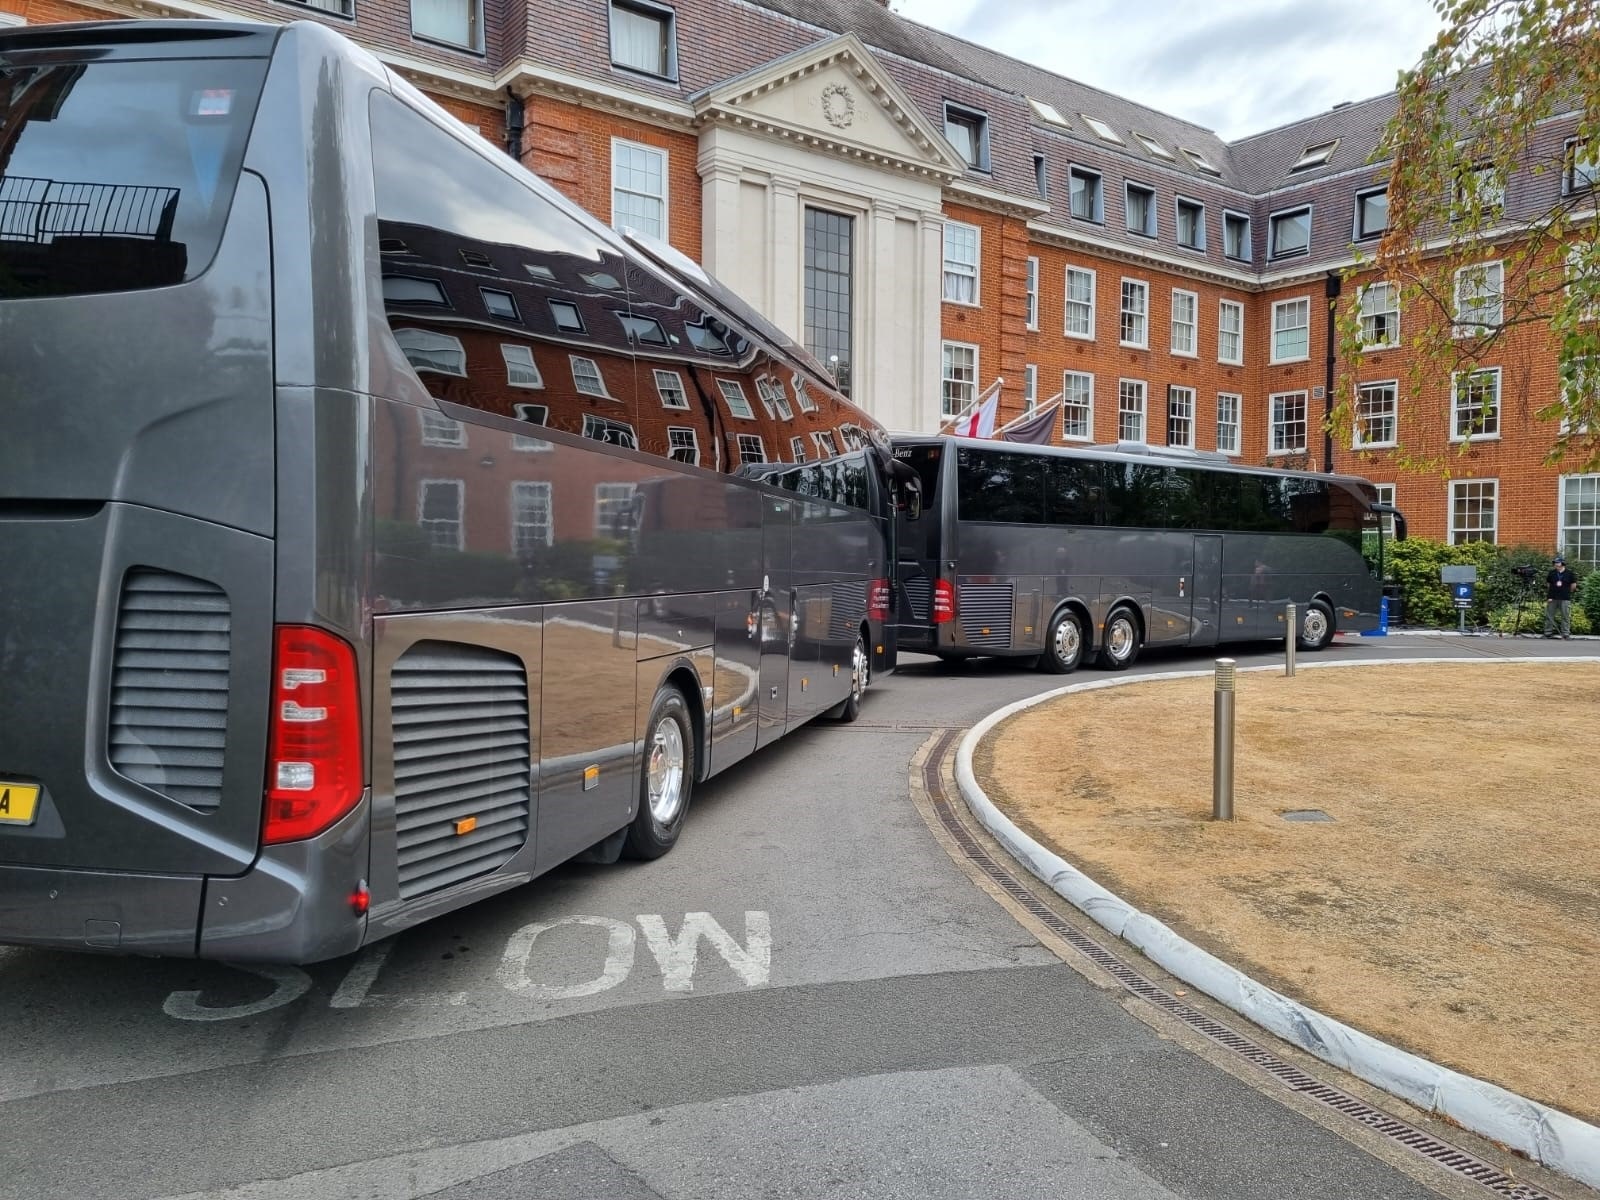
(461, 754)
(169, 686)
(985, 613)
(919, 595)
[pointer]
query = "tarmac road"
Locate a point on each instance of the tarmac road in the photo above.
(807, 998)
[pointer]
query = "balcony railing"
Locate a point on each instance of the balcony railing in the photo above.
(41, 210)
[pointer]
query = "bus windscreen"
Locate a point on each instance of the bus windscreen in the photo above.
(117, 175)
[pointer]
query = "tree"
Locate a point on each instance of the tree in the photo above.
(1493, 155)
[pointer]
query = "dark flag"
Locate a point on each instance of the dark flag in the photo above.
(1038, 429)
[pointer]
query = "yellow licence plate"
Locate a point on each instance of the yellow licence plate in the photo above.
(18, 803)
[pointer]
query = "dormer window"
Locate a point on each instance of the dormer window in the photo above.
(1315, 155)
(1372, 213)
(1101, 130)
(644, 38)
(476, 258)
(1152, 146)
(1582, 167)
(1047, 112)
(968, 131)
(457, 22)
(1201, 162)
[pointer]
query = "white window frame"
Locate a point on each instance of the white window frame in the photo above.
(1249, 235)
(1178, 204)
(619, 145)
(1277, 305)
(1475, 413)
(960, 272)
(1283, 214)
(1091, 275)
(594, 423)
(827, 448)
(1359, 435)
(1181, 298)
(1030, 387)
(1180, 408)
(691, 443)
(428, 524)
(1094, 182)
(797, 448)
(675, 382)
(1033, 293)
(1236, 332)
(1275, 421)
(1236, 424)
(744, 443)
(1386, 495)
(527, 534)
(1140, 314)
(510, 353)
(521, 441)
(581, 383)
(428, 342)
(1131, 388)
(1486, 489)
(609, 498)
(1373, 313)
(802, 394)
(737, 399)
(1589, 282)
(946, 381)
(1079, 403)
(439, 429)
(1587, 548)
(1485, 302)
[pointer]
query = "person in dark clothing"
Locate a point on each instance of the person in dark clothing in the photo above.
(1558, 603)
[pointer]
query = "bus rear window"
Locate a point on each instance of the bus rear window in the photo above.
(118, 175)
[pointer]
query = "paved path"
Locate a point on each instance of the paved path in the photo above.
(807, 998)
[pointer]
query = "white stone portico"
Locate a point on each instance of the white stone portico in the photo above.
(826, 128)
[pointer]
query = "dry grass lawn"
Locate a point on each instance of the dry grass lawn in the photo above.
(1453, 905)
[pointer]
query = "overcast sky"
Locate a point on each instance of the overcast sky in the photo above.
(1236, 66)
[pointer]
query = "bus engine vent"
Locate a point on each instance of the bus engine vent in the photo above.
(985, 614)
(919, 592)
(169, 686)
(849, 609)
(461, 763)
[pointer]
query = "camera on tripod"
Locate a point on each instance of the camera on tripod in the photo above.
(1526, 573)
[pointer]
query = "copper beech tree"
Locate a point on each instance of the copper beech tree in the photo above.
(1492, 156)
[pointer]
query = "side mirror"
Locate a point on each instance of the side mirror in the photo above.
(911, 501)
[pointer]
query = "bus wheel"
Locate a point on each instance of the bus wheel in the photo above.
(665, 778)
(1316, 627)
(1121, 645)
(849, 708)
(1063, 644)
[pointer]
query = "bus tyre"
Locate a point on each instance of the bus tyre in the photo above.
(1121, 644)
(665, 778)
(849, 708)
(1063, 644)
(1316, 627)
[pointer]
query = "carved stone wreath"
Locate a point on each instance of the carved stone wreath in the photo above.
(838, 106)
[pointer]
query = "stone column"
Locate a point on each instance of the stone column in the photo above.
(786, 252)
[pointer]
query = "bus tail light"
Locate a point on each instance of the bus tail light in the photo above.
(878, 600)
(314, 774)
(944, 601)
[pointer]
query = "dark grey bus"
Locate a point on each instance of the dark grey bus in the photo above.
(1057, 554)
(377, 529)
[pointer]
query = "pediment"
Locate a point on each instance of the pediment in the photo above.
(835, 95)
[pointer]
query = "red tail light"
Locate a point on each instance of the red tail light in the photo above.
(314, 774)
(878, 600)
(944, 601)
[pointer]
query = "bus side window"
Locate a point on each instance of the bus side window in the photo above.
(993, 485)
(1070, 492)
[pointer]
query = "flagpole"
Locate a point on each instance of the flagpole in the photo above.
(969, 409)
(1039, 411)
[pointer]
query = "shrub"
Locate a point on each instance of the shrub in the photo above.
(1414, 565)
(1504, 619)
(1589, 599)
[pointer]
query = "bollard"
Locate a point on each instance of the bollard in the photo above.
(1288, 643)
(1222, 743)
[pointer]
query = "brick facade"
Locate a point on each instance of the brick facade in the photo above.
(554, 58)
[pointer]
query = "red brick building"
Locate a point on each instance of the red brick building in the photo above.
(928, 215)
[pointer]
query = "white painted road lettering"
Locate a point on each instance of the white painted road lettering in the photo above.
(292, 983)
(513, 971)
(678, 956)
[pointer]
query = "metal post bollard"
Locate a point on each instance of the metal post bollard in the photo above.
(1288, 642)
(1222, 743)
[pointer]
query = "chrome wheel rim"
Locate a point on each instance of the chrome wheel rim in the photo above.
(1068, 640)
(859, 672)
(1316, 626)
(1121, 638)
(664, 771)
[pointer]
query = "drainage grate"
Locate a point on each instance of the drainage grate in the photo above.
(1305, 814)
(1292, 1077)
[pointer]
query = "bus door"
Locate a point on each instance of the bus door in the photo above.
(774, 609)
(1205, 590)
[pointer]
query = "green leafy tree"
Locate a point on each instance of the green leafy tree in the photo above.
(1493, 152)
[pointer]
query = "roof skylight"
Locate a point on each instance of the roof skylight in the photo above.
(1048, 112)
(1316, 155)
(1101, 130)
(1153, 146)
(1201, 161)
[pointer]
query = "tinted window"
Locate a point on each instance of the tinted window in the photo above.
(1073, 491)
(995, 485)
(118, 175)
